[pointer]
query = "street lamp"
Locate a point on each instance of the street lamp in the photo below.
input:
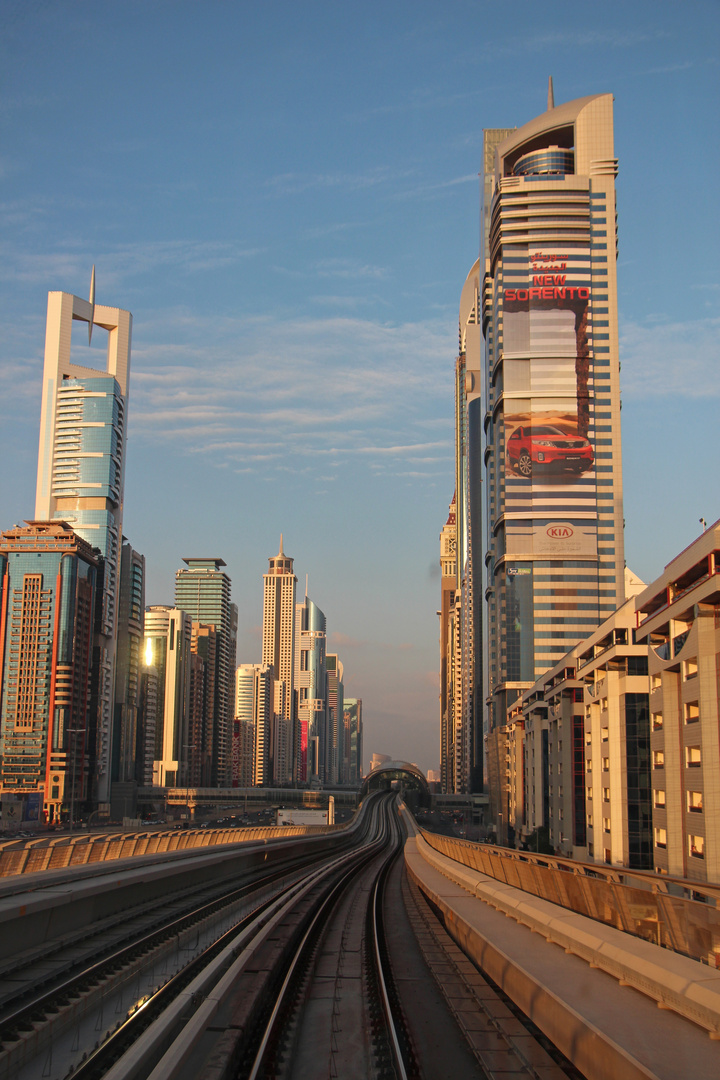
(74, 731)
(188, 747)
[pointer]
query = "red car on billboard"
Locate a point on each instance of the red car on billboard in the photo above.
(554, 447)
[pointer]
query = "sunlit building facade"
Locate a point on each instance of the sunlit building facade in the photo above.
(278, 653)
(81, 468)
(48, 598)
(678, 620)
(168, 634)
(254, 706)
(554, 507)
(448, 587)
(311, 691)
(335, 749)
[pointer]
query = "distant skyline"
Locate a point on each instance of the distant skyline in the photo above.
(286, 198)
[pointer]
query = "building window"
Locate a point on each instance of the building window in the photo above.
(606, 824)
(604, 734)
(606, 794)
(657, 721)
(690, 667)
(692, 712)
(660, 838)
(693, 757)
(695, 802)
(696, 844)
(659, 799)
(658, 759)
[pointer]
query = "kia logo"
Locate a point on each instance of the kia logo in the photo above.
(559, 532)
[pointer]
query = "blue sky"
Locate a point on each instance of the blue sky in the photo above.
(286, 197)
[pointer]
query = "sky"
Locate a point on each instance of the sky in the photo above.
(286, 197)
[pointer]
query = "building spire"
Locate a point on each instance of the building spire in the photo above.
(551, 94)
(281, 552)
(306, 585)
(92, 304)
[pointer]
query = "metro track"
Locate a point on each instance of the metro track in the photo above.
(323, 972)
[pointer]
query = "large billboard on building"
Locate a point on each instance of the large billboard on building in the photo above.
(548, 433)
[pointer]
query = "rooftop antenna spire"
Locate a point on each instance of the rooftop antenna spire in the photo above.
(281, 549)
(306, 585)
(551, 94)
(92, 304)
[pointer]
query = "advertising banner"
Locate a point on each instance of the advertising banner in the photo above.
(548, 436)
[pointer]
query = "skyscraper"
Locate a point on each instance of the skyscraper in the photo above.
(554, 523)
(278, 653)
(167, 649)
(203, 677)
(48, 596)
(131, 618)
(335, 749)
(81, 466)
(448, 586)
(203, 591)
(353, 740)
(311, 690)
(254, 708)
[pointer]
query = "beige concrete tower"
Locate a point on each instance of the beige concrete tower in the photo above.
(278, 652)
(554, 517)
(81, 464)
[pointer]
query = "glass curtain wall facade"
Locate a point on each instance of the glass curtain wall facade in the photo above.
(81, 469)
(127, 745)
(203, 591)
(278, 653)
(554, 523)
(48, 598)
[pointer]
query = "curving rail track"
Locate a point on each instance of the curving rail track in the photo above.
(307, 968)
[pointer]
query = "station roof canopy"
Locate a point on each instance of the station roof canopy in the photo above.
(382, 778)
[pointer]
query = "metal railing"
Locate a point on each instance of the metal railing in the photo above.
(657, 908)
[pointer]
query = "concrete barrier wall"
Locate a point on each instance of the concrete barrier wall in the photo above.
(674, 982)
(686, 926)
(38, 855)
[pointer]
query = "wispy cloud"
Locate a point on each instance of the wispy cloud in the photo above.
(118, 263)
(301, 394)
(679, 359)
(613, 38)
(294, 183)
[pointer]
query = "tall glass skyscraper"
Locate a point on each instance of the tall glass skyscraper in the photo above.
(278, 653)
(81, 467)
(48, 593)
(554, 517)
(203, 591)
(311, 690)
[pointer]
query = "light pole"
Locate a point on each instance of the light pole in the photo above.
(187, 747)
(74, 731)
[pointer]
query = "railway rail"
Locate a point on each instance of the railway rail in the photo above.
(308, 970)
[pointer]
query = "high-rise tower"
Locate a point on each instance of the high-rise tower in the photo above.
(311, 689)
(554, 523)
(278, 652)
(448, 586)
(48, 593)
(81, 466)
(203, 591)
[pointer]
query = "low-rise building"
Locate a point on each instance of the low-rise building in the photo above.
(679, 622)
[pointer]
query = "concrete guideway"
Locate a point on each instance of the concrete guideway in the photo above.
(550, 965)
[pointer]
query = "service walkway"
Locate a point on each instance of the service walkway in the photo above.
(611, 1026)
